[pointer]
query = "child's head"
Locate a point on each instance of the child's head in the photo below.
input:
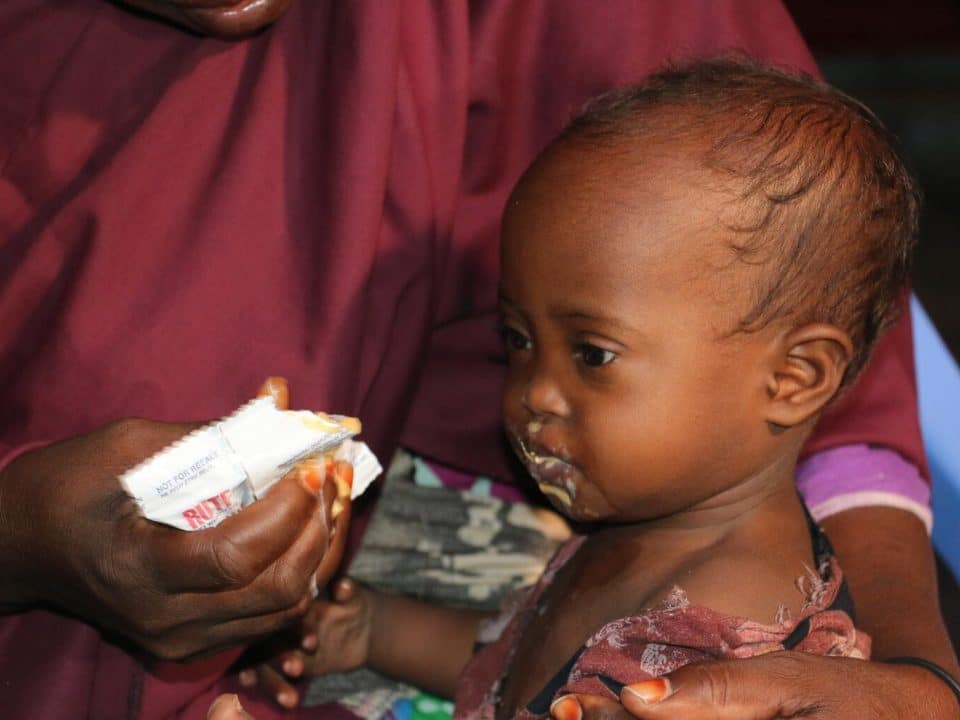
(689, 274)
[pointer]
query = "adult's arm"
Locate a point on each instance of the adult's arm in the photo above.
(866, 484)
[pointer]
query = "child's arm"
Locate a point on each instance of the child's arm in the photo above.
(422, 644)
(425, 645)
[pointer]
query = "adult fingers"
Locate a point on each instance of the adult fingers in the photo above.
(191, 621)
(198, 638)
(778, 685)
(287, 580)
(330, 562)
(587, 707)
(277, 388)
(235, 552)
(275, 686)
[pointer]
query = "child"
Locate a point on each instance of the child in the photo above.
(690, 273)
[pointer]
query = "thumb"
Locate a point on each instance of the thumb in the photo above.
(761, 688)
(241, 547)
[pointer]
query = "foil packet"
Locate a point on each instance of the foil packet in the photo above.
(217, 470)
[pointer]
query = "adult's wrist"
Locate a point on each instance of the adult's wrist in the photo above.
(937, 671)
(18, 539)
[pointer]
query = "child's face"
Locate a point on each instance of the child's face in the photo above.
(627, 395)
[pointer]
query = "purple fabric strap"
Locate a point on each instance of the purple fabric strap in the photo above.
(854, 476)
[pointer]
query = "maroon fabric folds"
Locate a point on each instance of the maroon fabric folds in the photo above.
(180, 217)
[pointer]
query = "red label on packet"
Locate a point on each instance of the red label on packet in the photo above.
(206, 511)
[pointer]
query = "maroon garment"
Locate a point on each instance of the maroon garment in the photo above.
(657, 642)
(180, 217)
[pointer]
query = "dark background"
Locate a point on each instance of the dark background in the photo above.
(903, 60)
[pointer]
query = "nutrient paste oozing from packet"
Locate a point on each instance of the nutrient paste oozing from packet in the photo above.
(218, 469)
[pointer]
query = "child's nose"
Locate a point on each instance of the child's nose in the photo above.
(542, 396)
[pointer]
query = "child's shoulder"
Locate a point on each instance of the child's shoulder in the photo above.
(739, 582)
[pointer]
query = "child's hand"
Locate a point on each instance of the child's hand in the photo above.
(336, 635)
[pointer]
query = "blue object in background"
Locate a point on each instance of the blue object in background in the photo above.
(938, 389)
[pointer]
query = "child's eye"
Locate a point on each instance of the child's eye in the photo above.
(513, 339)
(593, 356)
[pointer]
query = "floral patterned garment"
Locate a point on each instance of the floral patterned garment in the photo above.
(661, 640)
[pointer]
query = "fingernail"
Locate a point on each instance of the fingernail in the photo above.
(314, 588)
(248, 678)
(310, 475)
(343, 590)
(309, 642)
(566, 707)
(287, 699)
(650, 692)
(276, 387)
(290, 667)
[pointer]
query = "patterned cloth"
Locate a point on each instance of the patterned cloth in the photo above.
(659, 641)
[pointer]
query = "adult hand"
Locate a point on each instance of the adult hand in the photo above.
(225, 19)
(778, 685)
(70, 537)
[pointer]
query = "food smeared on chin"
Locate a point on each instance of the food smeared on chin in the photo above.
(552, 473)
(215, 471)
(559, 493)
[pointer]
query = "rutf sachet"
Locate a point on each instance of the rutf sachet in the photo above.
(220, 468)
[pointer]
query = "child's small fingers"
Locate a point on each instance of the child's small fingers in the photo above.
(292, 664)
(247, 678)
(275, 686)
(344, 590)
(309, 642)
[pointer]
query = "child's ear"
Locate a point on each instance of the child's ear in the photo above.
(808, 372)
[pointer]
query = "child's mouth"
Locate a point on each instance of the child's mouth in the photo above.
(553, 474)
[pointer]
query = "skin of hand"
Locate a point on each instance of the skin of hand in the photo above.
(224, 19)
(73, 539)
(228, 707)
(874, 545)
(778, 685)
(335, 637)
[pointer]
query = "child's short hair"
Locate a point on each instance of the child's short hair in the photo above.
(830, 209)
